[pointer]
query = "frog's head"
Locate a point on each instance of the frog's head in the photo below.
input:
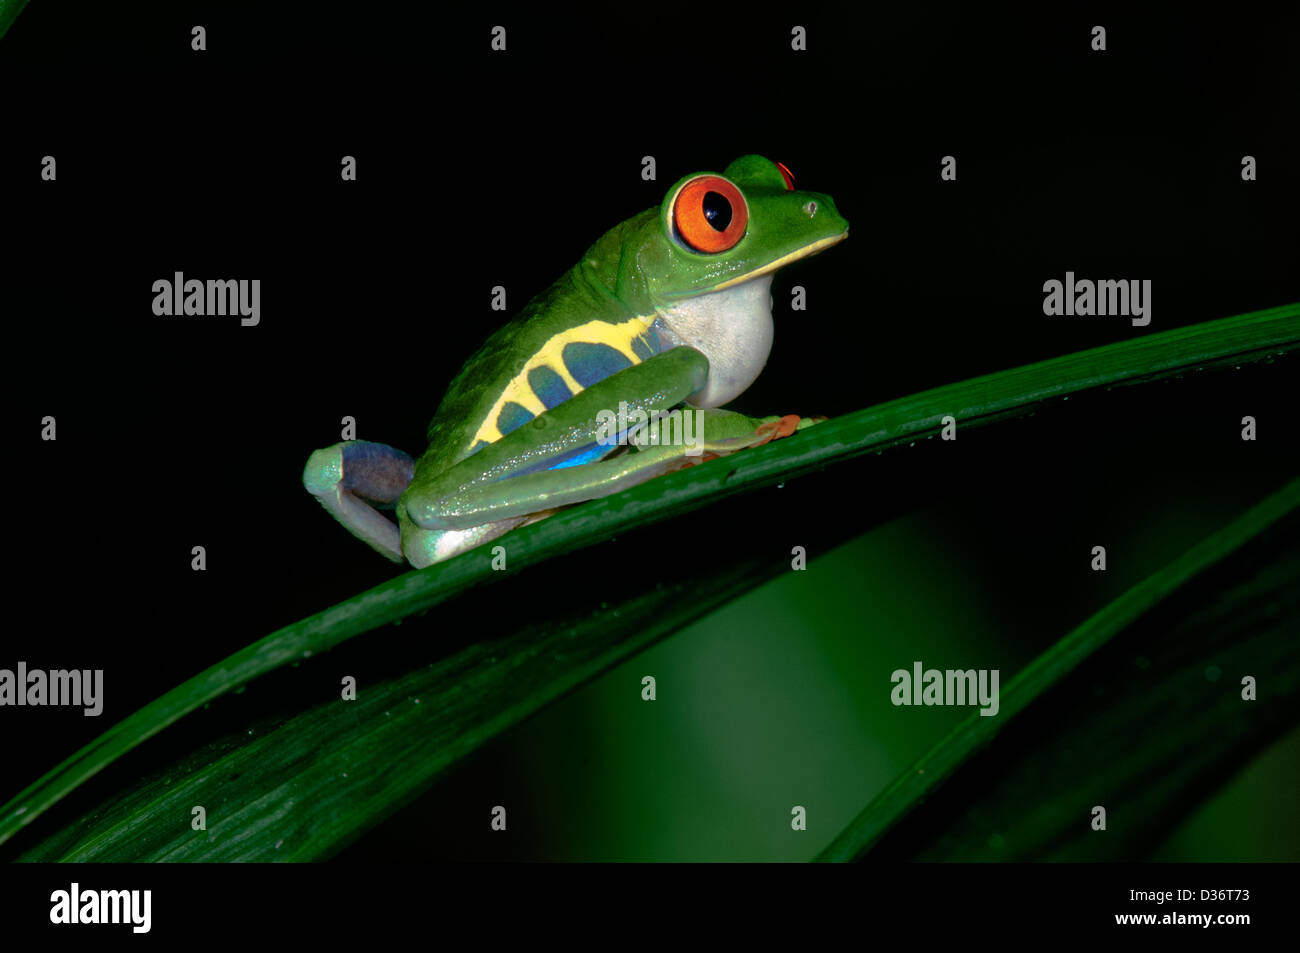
(707, 259)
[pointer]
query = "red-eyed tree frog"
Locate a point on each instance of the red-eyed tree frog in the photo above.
(666, 317)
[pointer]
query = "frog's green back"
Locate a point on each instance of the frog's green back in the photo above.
(573, 334)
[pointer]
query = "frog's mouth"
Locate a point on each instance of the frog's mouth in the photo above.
(804, 252)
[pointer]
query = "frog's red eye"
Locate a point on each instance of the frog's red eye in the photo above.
(787, 175)
(710, 214)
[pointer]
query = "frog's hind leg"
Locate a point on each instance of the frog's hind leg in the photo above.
(424, 547)
(351, 479)
(715, 433)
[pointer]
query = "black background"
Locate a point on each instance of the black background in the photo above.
(477, 170)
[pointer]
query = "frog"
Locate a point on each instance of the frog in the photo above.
(665, 319)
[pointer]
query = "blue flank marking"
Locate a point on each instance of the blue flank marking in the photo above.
(512, 417)
(549, 387)
(574, 458)
(591, 363)
(643, 347)
(588, 455)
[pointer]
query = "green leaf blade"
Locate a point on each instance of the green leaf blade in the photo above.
(1257, 336)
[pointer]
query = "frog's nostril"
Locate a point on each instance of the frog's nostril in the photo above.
(810, 209)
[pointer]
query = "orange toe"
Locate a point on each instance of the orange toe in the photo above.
(778, 428)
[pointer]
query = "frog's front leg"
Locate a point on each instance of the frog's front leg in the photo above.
(350, 479)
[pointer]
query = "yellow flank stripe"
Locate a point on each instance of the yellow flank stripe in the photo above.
(551, 354)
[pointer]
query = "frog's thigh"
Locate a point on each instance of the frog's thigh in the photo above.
(715, 431)
(349, 477)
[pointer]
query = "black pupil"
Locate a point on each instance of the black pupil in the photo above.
(717, 210)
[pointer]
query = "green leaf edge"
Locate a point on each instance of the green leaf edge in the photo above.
(9, 10)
